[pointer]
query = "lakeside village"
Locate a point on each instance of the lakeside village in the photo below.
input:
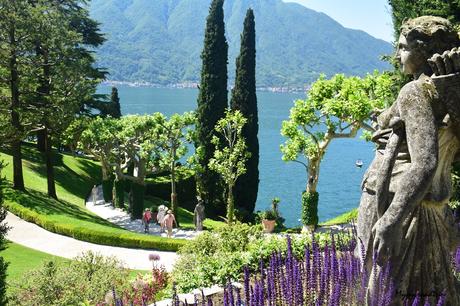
(195, 85)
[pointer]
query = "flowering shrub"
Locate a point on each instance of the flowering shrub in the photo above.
(323, 275)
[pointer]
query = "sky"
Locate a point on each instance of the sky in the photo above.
(371, 16)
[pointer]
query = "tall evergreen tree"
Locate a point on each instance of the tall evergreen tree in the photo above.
(244, 99)
(115, 104)
(15, 28)
(212, 103)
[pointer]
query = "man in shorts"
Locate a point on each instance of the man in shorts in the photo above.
(168, 222)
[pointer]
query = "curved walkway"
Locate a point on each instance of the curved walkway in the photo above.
(35, 237)
(96, 204)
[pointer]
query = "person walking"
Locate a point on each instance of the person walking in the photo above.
(168, 222)
(146, 218)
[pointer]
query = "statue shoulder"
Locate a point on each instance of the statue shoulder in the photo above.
(418, 92)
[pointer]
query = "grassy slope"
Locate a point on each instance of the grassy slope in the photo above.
(68, 215)
(344, 218)
(23, 259)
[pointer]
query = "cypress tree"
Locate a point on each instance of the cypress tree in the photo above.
(212, 103)
(115, 104)
(244, 99)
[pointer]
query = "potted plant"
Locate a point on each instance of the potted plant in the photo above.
(269, 220)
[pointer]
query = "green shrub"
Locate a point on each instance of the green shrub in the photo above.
(107, 190)
(89, 278)
(137, 195)
(119, 194)
(310, 208)
(213, 257)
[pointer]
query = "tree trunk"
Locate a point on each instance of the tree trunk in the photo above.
(173, 188)
(313, 175)
(49, 165)
(230, 205)
(18, 177)
(41, 141)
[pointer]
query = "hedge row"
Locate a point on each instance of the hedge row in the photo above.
(128, 240)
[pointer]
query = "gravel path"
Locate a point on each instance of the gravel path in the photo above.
(98, 206)
(35, 237)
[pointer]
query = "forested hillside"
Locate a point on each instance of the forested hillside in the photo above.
(160, 41)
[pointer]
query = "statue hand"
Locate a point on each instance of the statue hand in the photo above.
(447, 63)
(387, 241)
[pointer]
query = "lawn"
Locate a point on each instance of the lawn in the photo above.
(75, 177)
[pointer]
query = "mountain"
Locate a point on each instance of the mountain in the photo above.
(160, 41)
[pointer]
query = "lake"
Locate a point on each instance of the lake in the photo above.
(340, 179)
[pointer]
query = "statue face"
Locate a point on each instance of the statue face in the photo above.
(410, 59)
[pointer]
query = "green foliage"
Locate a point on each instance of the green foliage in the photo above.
(89, 277)
(141, 46)
(402, 10)
(335, 108)
(160, 187)
(217, 256)
(310, 208)
(170, 136)
(212, 103)
(137, 193)
(244, 99)
(230, 154)
(269, 215)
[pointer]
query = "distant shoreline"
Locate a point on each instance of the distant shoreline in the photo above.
(194, 85)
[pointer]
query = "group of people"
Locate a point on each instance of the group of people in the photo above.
(164, 217)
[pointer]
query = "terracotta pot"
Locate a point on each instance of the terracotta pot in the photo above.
(269, 225)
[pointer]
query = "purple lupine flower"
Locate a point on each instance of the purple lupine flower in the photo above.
(226, 303)
(457, 259)
(255, 295)
(231, 298)
(238, 298)
(417, 300)
(427, 302)
(246, 286)
(442, 299)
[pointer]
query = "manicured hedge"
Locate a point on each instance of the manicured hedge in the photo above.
(137, 193)
(127, 239)
(119, 193)
(310, 208)
(107, 190)
(160, 187)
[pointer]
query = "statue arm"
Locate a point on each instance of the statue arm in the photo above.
(422, 140)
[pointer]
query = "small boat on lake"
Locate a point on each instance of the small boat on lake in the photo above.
(359, 163)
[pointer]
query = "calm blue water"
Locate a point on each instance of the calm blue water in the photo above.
(339, 177)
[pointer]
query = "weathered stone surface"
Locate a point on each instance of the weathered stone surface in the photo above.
(198, 216)
(403, 222)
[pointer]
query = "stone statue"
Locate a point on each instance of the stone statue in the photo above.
(404, 224)
(198, 216)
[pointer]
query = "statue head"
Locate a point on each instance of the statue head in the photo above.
(421, 38)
